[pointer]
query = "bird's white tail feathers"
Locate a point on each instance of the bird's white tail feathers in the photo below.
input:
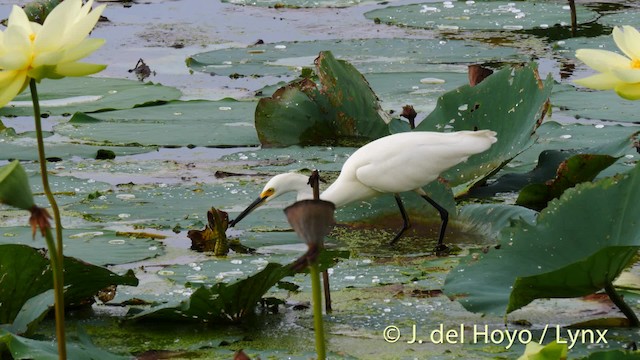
(473, 142)
(488, 134)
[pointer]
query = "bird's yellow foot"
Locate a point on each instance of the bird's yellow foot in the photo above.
(441, 250)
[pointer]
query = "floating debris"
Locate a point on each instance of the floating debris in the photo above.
(142, 70)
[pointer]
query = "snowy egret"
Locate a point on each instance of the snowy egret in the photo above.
(392, 164)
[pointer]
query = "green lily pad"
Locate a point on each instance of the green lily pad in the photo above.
(511, 102)
(564, 237)
(590, 104)
(366, 55)
(209, 123)
(578, 168)
(626, 15)
(346, 274)
(293, 158)
(481, 15)
(296, 4)
(613, 140)
(67, 189)
(23, 147)
(567, 49)
(613, 355)
(99, 247)
(163, 206)
(89, 94)
(341, 110)
(419, 89)
(227, 302)
(221, 302)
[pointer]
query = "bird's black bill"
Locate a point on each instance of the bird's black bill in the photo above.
(257, 202)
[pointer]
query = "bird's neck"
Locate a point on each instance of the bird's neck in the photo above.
(343, 192)
(304, 193)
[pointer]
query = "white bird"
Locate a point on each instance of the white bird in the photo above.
(392, 164)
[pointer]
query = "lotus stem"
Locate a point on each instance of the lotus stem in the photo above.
(327, 292)
(55, 249)
(574, 18)
(623, 306)
(318, 324)
(58, 291)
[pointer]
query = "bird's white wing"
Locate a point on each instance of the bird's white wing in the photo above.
(407, 161)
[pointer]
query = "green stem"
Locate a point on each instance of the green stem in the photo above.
(55, 250)
(619, 302)
(43, 167)
(58, 290)
(317, 310)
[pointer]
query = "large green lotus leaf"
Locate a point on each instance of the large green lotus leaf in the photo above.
(291, 117)
(37, 11)
(481, 15)
(179, 123)
(341, 110)
(510, 102)
(31, 313)
(367, 55)
(351, 106)
(566, 141)
(21, 270)
(99, 247)
(545, 169)
(24, 348)
(595, 272)
(602, 105)
(89, 94)
(565, 235)
(490, 219)
(14, 187)
(576, 169)
(25, 272)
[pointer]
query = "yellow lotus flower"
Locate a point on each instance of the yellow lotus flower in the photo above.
(616, 72)
(29, 50)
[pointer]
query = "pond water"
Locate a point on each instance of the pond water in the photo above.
(167, 174)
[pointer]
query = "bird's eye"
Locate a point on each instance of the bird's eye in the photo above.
(268, 192)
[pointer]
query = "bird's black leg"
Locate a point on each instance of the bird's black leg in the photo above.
(405, 219)
(444, 216)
